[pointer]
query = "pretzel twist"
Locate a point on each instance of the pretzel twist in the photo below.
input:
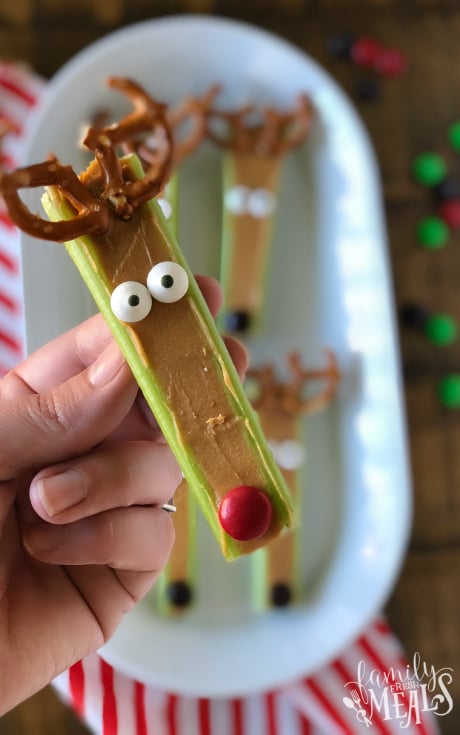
(277, 132)
(286, 396)
(119, 195)
(92, 215)
(147, 116)
(191, 111)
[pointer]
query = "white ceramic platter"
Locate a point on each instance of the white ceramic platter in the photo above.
(328, 286)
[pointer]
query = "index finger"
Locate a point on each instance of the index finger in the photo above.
(72, 352)
(58, 360)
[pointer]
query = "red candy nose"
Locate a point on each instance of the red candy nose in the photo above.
(245, 513)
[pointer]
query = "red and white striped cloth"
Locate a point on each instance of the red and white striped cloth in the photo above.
(20, 90)
(111, 703)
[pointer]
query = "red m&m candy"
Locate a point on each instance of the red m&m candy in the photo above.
(449, 211)
(364, 51)
(390, 62)
(245, 513)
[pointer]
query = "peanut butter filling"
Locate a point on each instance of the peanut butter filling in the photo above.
(256, 139)
(174, 345)
(249, 236)
(280, 563)
(280, 404)
(178, 563)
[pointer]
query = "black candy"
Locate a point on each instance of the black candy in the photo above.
(413, 316)
(179, 593)
(237, 321)
(281, 595)
(340, 44)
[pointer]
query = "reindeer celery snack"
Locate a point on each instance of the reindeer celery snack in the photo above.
(254, 155)
(119, 240)
(280, 404)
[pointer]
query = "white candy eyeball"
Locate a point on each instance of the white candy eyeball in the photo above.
(165, 207)
(167, 282)
(131, 302)
(290, 454)
(261, 203)
(236, 199)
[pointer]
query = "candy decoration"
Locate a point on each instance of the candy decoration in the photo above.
(167, 282)
(340, 44)
(432, 232)
(365, 51)
(441, 329)
(390, 62)
(245, 513)
(449, 211)
(131, 302)
(449, 391)
(281, 595)
(237, 321)
(448, 188)
(179, 593)
(453, 135)
(414, 316)
(429, 168)
(367, 89)
(289, 454)
(368, 53)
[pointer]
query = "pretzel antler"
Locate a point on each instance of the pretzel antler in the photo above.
(192, 110)
(330, 374)
(147, 116)
(287, 396)
(92, 214)
(119, 196)
(276, 133)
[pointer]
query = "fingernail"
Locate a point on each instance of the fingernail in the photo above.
(38, 541)
(60, 492)
(106, 367)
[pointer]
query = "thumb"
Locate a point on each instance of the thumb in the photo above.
(41, 429)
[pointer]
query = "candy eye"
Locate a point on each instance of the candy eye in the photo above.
(236, 199)
(131, 302)
(167, 282)
(261, 203)
(289, 454)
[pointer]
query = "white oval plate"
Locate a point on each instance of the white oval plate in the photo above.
(328, 286)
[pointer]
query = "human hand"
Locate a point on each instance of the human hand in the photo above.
(83, 473)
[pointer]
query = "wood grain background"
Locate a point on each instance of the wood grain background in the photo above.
(411, 114)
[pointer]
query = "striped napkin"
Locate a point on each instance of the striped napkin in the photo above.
(20, 90)
(370, 688)
(111, 703)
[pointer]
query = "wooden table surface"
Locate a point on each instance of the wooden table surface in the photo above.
(411, 114)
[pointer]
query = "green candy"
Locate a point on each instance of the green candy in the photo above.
(441, 329)
(453, 135)
(429, 169)
(432, 232)
(449, 391)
